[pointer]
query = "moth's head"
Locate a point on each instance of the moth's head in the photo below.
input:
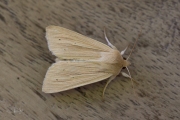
(125, 63)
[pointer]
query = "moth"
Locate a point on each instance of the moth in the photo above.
(80, 60)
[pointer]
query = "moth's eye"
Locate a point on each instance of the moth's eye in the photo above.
(124, 59)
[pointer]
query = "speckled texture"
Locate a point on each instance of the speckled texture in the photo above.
(25, 58)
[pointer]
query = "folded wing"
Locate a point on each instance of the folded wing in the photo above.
(65, 75)
(67, 44)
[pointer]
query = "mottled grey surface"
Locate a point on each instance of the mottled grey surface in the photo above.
(25, 58)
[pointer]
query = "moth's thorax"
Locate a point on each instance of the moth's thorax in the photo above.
(112, 60)
(119, 60)
(111, 57)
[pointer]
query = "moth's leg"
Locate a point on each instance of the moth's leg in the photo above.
(122, 52)
(125, 75)
(128, 76)
(110, 79)
(112, 46)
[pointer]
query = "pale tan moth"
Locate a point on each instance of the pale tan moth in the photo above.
(80, 60)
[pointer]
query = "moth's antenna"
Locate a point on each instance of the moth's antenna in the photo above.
(109, 43)
(134, 44)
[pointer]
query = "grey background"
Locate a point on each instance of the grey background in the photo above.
(25, 58)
